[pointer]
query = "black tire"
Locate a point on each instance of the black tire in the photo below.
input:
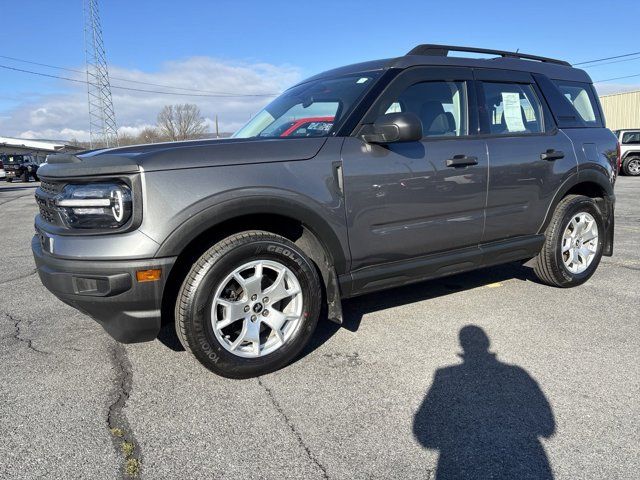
(25, 177)
(630, 166)
(195, 298)
(35, 177)
(9, 180)
(549, 266)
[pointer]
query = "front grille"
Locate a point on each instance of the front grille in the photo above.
(52, 188)
(44, 198)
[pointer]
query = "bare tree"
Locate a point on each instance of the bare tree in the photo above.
(150, 135)
(181, 122)
(125, 139)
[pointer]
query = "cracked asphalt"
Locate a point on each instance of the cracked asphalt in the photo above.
(387, 395)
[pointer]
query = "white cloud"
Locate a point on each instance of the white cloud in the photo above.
(65, 116)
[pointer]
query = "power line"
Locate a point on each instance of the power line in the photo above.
(607, 58)
(609, 63)
(142, 90)
(127, 79)
(617, 78)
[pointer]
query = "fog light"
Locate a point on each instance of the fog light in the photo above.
(148, 275)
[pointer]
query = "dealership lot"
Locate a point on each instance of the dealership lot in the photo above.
(352, 405)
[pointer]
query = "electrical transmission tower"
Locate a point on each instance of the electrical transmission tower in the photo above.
(102, 118)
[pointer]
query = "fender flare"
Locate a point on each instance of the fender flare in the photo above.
(600, 178)
(214, 211)
(630, 152)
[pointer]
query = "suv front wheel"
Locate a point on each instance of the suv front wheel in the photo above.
(573, 246)
(248, 305)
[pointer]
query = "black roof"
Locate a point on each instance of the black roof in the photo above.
(437, 55)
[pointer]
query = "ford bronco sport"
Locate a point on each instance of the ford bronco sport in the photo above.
(432, 165)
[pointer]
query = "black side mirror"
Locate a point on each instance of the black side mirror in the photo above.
(395, 127)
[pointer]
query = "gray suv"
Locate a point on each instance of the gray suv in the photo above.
(363, 178)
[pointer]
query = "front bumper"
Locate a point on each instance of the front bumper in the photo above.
(108, 291)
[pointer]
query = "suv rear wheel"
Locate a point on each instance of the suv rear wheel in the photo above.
(631, 166)
(573, 245)
(248, 305)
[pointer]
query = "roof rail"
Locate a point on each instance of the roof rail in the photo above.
(443, 51)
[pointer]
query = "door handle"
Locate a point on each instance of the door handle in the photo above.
(551, 155)
(462, 161)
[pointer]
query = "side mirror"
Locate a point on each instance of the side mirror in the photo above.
(395, 127)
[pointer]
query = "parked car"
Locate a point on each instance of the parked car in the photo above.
(309, 127)
(433, 165)
(302, 127)
(3, 175)
(629, 151)
(23, 167)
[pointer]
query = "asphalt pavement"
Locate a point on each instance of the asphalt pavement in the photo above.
(389, 394)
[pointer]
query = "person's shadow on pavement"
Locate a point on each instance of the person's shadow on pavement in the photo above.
(485, 417)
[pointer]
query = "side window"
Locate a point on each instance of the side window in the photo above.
(441, 106)
(512, 109)
(581, 97)
(631, 138)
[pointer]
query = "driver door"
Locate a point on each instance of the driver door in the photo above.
(406, 201)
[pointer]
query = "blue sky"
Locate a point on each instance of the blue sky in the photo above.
(280, 41)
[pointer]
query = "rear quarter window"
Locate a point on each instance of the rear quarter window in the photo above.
(581, 97)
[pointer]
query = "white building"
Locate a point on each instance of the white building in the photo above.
(39, 149)
(622, 110)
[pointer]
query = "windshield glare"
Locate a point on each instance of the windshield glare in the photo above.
(308, 110)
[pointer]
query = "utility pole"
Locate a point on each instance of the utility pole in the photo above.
(102, 118)
(217, 132)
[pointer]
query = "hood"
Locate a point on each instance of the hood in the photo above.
(178, 155)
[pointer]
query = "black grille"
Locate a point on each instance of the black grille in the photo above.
(44, 197)
(52, 188)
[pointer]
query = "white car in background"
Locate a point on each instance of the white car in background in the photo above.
(3, 174)
(629, 151)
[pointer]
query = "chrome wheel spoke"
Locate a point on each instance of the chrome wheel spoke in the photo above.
(574, 256)
(250, 333)
(276, 320)
(278, 290)
(591, 234)
(233, 311)
(585, 253)
(253, 284)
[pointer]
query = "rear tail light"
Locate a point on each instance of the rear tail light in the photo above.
(619, 157)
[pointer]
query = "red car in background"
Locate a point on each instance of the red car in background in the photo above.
(308, 127)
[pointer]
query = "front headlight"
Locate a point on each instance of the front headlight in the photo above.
(95, 205)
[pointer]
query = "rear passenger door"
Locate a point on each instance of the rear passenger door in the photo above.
(529, 158)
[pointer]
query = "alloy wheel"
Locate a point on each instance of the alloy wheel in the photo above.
(579, 242)
(257, 308)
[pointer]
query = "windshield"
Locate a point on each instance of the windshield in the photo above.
(310, 109)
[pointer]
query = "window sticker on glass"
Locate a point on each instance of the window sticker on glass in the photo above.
(320, 126)
(512, 112)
